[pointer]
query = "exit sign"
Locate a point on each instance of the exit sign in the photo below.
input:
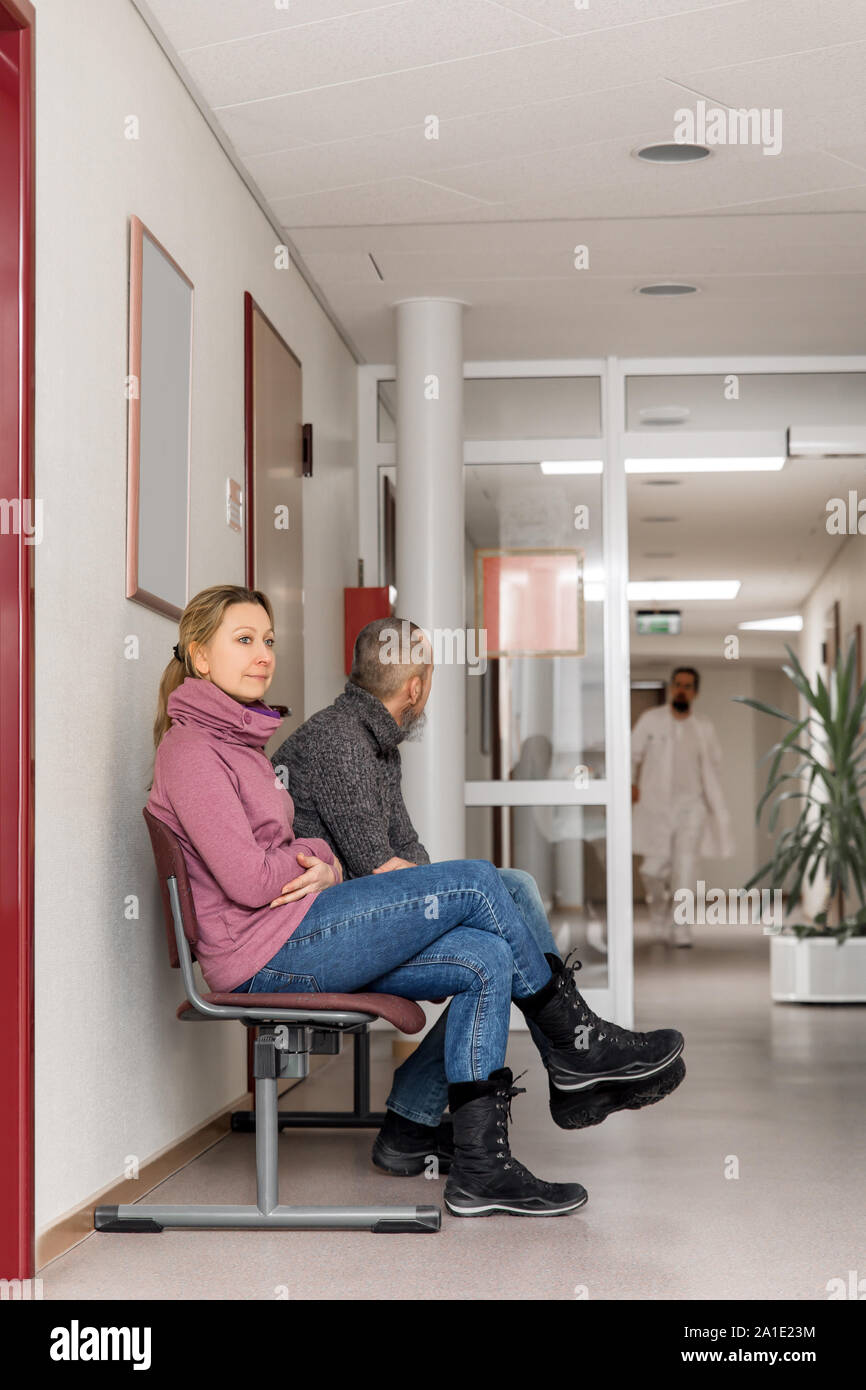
(668, 621)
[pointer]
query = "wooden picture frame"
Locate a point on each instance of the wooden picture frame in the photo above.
(159, 391)
(541, 620)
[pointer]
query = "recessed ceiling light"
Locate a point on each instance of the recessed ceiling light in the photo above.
(654, 589)
(720, 465)
(667, 287)
(662, 482)
(667, 152)
(794, 623)
(572, 466)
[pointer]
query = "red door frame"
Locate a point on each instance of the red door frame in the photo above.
(17, 20)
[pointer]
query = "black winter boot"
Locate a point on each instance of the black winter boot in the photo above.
(585, 1049)
(405, 1148)
(485, 1177)
(579, 1109)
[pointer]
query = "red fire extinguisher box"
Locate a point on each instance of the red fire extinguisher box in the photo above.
(361, 606)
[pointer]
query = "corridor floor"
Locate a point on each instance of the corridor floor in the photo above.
(774, 1093)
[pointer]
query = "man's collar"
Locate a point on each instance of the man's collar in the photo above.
(372, 712)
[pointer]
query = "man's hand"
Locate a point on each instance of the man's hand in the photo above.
(318, 876)
(394, 864)
(635, 793)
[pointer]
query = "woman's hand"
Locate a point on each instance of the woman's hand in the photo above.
(318, 876)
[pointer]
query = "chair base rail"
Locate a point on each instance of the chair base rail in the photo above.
(244, 1121)
(149, 1218)
(143, 1219)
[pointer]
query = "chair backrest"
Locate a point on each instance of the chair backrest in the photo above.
(169, 858)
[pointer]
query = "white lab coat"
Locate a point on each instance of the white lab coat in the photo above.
(652, 762)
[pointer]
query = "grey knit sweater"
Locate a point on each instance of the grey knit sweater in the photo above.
(344, 769)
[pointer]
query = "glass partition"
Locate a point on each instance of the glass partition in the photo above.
(537, 716)
(514, 408)
(750, 401)
(564, 848)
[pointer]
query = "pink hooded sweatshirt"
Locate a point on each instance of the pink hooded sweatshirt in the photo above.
(216, 788)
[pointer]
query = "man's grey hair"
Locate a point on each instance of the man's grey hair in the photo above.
(388, 652)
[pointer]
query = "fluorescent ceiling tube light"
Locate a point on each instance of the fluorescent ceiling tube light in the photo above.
(743, 465)
(657, 589)
(572, 466)
(794, 623)
(827, 441)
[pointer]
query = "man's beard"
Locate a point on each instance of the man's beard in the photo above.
(414, 725)
(680, 705)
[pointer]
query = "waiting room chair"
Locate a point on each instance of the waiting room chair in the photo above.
(288, 1027)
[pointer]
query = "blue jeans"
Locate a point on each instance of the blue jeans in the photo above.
(420, 1083)
(427, 932)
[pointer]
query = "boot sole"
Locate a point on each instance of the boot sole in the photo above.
(565, 1082)
(585, 1116)
(403, 1165)
(485, 1207)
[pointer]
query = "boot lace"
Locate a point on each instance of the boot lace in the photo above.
(603, 1028)
(505, 1153)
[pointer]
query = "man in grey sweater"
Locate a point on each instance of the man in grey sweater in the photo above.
(344, 767)
(343, 772)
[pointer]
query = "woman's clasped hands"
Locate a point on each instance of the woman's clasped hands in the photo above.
(317, 876)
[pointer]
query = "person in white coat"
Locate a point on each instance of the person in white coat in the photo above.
(679, 808)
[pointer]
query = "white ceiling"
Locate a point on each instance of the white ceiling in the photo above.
(540, 106)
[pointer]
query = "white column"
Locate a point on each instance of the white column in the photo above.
(430, 555)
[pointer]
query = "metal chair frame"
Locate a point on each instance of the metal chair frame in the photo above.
(283, 1043)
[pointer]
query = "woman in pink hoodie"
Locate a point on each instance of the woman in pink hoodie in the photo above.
(274, 914)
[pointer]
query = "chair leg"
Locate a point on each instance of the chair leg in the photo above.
(267, 1214)
(359, 1117)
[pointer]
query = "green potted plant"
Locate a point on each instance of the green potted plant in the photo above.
(822, 960)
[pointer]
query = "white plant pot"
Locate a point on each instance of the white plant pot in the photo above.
(812, 971)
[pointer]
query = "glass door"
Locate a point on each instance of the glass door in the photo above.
(548, 782)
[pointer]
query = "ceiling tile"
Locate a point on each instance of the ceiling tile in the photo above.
(350, 48)
(197, 23)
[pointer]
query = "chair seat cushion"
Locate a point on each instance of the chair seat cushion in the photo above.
(404, 1014)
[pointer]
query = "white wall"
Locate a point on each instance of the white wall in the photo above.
(844, 581)
(116, 1073)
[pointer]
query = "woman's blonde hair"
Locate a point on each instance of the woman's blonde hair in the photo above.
(198, 623)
